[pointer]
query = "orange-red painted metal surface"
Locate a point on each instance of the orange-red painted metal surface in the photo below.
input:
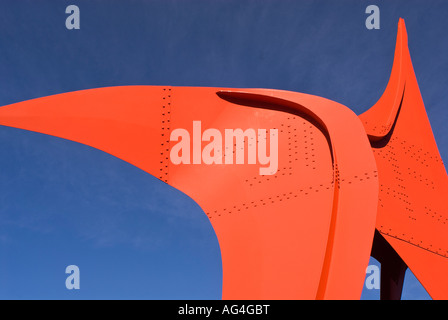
(306, 230)
(413, 210)
(296, 234)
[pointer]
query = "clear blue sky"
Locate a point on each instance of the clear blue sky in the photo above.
(131, 235)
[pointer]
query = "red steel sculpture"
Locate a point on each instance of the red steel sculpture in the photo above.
(346, 188)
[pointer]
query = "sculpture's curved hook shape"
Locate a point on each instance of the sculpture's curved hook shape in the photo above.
(379, 119)
(356, 187)
(412, 210)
